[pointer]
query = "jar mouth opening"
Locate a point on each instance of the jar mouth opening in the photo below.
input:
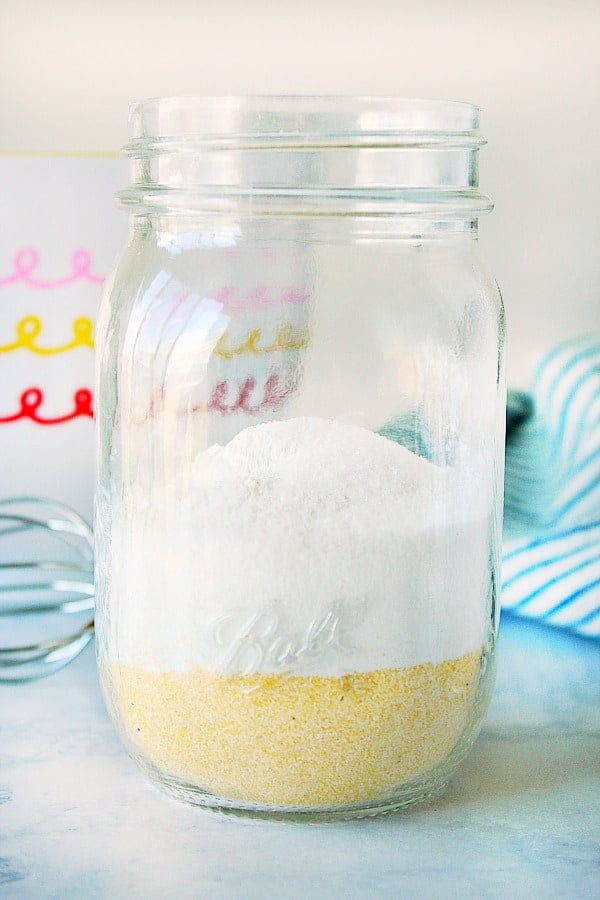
(279, 121)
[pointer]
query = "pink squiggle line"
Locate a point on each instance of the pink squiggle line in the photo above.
(27, 260)
(260, 298)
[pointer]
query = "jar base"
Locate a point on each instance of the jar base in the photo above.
(417, 791)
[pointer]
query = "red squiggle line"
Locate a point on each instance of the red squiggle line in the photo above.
(227, 398)
(27, 260)
(275, 394)
(32, 399)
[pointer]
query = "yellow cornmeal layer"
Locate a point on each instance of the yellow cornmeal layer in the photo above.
(300, 741)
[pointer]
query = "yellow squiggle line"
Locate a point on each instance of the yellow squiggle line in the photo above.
(30, 328)
(286, 338)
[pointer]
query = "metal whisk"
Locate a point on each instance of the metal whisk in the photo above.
(46, 577)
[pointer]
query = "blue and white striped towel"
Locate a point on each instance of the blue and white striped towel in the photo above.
(551, 564)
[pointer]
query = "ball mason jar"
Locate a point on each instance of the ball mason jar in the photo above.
(300, 412)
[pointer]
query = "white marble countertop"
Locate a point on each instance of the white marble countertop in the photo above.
(78, 821)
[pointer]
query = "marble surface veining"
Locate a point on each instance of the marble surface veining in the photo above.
(521, 819)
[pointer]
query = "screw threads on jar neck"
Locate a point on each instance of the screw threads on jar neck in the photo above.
(305, 155)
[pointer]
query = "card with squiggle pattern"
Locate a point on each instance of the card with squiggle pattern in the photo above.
(59, 235)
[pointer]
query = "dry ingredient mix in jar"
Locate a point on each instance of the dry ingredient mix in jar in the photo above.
(300, 454)
(307, 672)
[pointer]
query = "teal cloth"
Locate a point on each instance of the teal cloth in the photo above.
(551, 558)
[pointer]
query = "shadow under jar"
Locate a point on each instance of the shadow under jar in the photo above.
(300, 417)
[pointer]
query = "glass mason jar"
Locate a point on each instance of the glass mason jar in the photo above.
(300, 406)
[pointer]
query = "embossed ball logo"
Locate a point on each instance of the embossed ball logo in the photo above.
(261, 640)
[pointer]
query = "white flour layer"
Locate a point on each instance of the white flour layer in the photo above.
(308, 546)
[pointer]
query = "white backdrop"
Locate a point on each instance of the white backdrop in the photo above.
(69, 68)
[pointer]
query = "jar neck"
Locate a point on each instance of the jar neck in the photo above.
(181, 232)
(305, 157)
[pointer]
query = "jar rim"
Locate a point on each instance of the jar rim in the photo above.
(301, 154)
(293, 120)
